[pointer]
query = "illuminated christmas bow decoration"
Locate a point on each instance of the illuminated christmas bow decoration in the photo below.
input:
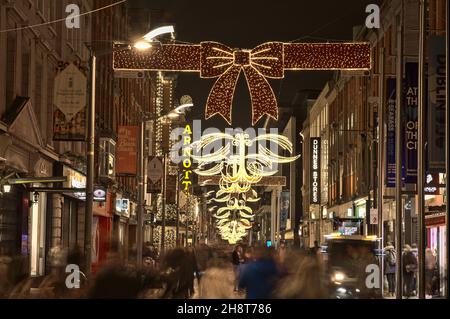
(222, 62)
(268, 60)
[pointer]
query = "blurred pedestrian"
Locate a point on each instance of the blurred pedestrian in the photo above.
(306, 282)
(178, 274)
(390, 262)
(260, 276)
(316, 248)
(192, 270)
(217, 281)
(236, 260)
(430, 265)
(114, 280)
(282, 252)
(5, 280)
(409, 270)
(415, 252)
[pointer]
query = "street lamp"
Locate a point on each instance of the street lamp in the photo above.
(6, 188)
(146, 42)
(142, 45)
(159, 31)
(90, 148)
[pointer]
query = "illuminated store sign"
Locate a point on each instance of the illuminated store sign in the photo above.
(187, 162)
(315, 170)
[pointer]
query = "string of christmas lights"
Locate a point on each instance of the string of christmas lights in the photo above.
(268, 60)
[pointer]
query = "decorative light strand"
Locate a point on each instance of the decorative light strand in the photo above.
(268, 60)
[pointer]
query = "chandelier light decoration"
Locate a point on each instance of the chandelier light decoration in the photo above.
(239, 169)
(268, 60)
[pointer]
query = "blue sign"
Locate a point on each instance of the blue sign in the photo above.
(436, 103)
(390, 132)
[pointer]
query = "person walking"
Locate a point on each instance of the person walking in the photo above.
(236, 260)
(409, 270)
(259, 278)
(430, 265)
(390, 262)
(304, 281)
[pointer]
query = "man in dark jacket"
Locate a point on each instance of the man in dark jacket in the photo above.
(259, 277)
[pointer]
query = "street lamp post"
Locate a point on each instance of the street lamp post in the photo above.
(163, 222)
(398, 157)
(380, 164)
(141, 200)
(90, 163)
(90, 146)
(421, 149)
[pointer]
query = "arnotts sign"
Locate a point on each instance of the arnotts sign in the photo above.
(187, 162)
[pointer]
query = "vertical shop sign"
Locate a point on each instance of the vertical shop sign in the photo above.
(315, 170)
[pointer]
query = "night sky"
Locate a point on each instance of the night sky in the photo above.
(247, 23)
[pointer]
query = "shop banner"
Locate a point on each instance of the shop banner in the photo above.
(69, 99)
(171, 189)
(436, 103)
(155, 171)
(284, 208)
(410, 93)
(126, 152)
(315, 170)
(390, 132)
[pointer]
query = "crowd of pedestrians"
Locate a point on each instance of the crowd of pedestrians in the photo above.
(205, 272)
(410, 269)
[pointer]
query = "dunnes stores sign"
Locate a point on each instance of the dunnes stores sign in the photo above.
(315, 170)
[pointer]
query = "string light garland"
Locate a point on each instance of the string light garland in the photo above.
(268, 60)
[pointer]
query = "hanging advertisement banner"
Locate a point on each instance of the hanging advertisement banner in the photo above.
(171, 189)
(390, 132)
(436, 103)
(69, 99)
(284, 208)
(315, 170)
(126, 153)
(155, 171)
(410, 94)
